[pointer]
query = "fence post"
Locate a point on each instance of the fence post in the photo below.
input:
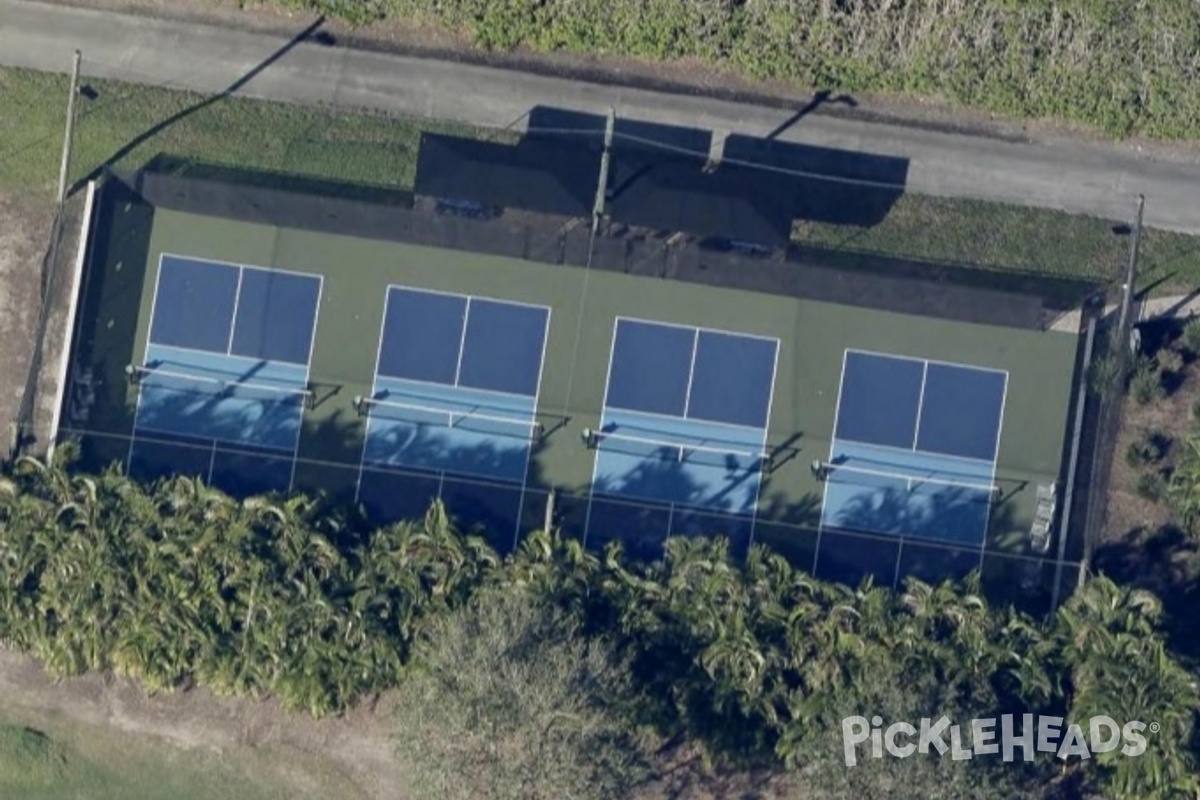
(1125, 321)
(64, 169)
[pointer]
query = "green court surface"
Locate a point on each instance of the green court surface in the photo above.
(584, 304)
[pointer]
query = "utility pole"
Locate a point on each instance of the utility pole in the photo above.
(1124, 322)
(602, 183)
(65, 166)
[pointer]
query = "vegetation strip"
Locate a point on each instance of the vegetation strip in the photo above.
(177, 583)
(1124, 68)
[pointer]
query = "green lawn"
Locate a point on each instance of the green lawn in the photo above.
(315, 142)
(59, 760)
(126, 125)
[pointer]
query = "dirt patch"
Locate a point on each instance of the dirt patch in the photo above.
(355, 746)
(1170, 420)
(25, 220)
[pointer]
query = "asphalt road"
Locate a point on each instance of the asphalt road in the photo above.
(1089, 178)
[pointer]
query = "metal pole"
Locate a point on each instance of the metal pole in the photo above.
(65, 166)
(602, 183)
(548, 521)
(1130, 280)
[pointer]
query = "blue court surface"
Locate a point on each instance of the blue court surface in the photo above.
(914, 448)
(455, 392)
(224, 382)
(684, 423)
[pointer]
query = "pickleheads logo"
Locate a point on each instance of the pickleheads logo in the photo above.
(994, 737)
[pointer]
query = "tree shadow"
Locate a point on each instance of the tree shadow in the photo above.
(159, 127)
(818, 99)
(1165, 561)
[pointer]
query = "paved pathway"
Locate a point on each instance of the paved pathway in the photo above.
(1086, 178)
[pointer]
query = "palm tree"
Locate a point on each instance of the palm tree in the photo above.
(1183, 491)
(1119, 667)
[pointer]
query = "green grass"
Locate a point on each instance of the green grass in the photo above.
(311, 141)
(377, 149)
(99, 763)
(1004, 237)
(1121, 67)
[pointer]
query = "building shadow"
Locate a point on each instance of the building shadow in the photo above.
(676, 179)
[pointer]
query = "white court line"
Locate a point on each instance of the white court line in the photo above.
(909, 478)
(312, 341)
(825, 484)
(362, 458)
(137, 406)
(682, 447)
(473, 398)
(225, 385)
(466, 389)
(362, 464)
(763, 446)
(995, 457)
(687, 393)
(250, 361)
(674, 417)
(920, 405)
(216, 262)
(234, 443)
(487, 298)
(453, 418)
(907, 451)
(500, 392)
(222, 263)
(774, 368)
(462, 340)
(705, 328)
(587, 516)
(237, 298)
(898, 357)
(760, 432)
(529, 451)
(694, 420)
(690, 433)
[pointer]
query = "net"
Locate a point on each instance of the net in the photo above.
(911, 481)
(208, 385)
(719, 454)
(472, 419)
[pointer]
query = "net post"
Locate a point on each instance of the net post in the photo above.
(359, 404)
(548, 519)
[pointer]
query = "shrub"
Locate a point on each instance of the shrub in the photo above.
(1106, 377)
(1169, 360)
(1151, 486)
(512, 702)
(1146, 383)
(1147, 449)
(1196, 411)
(1191, 337)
